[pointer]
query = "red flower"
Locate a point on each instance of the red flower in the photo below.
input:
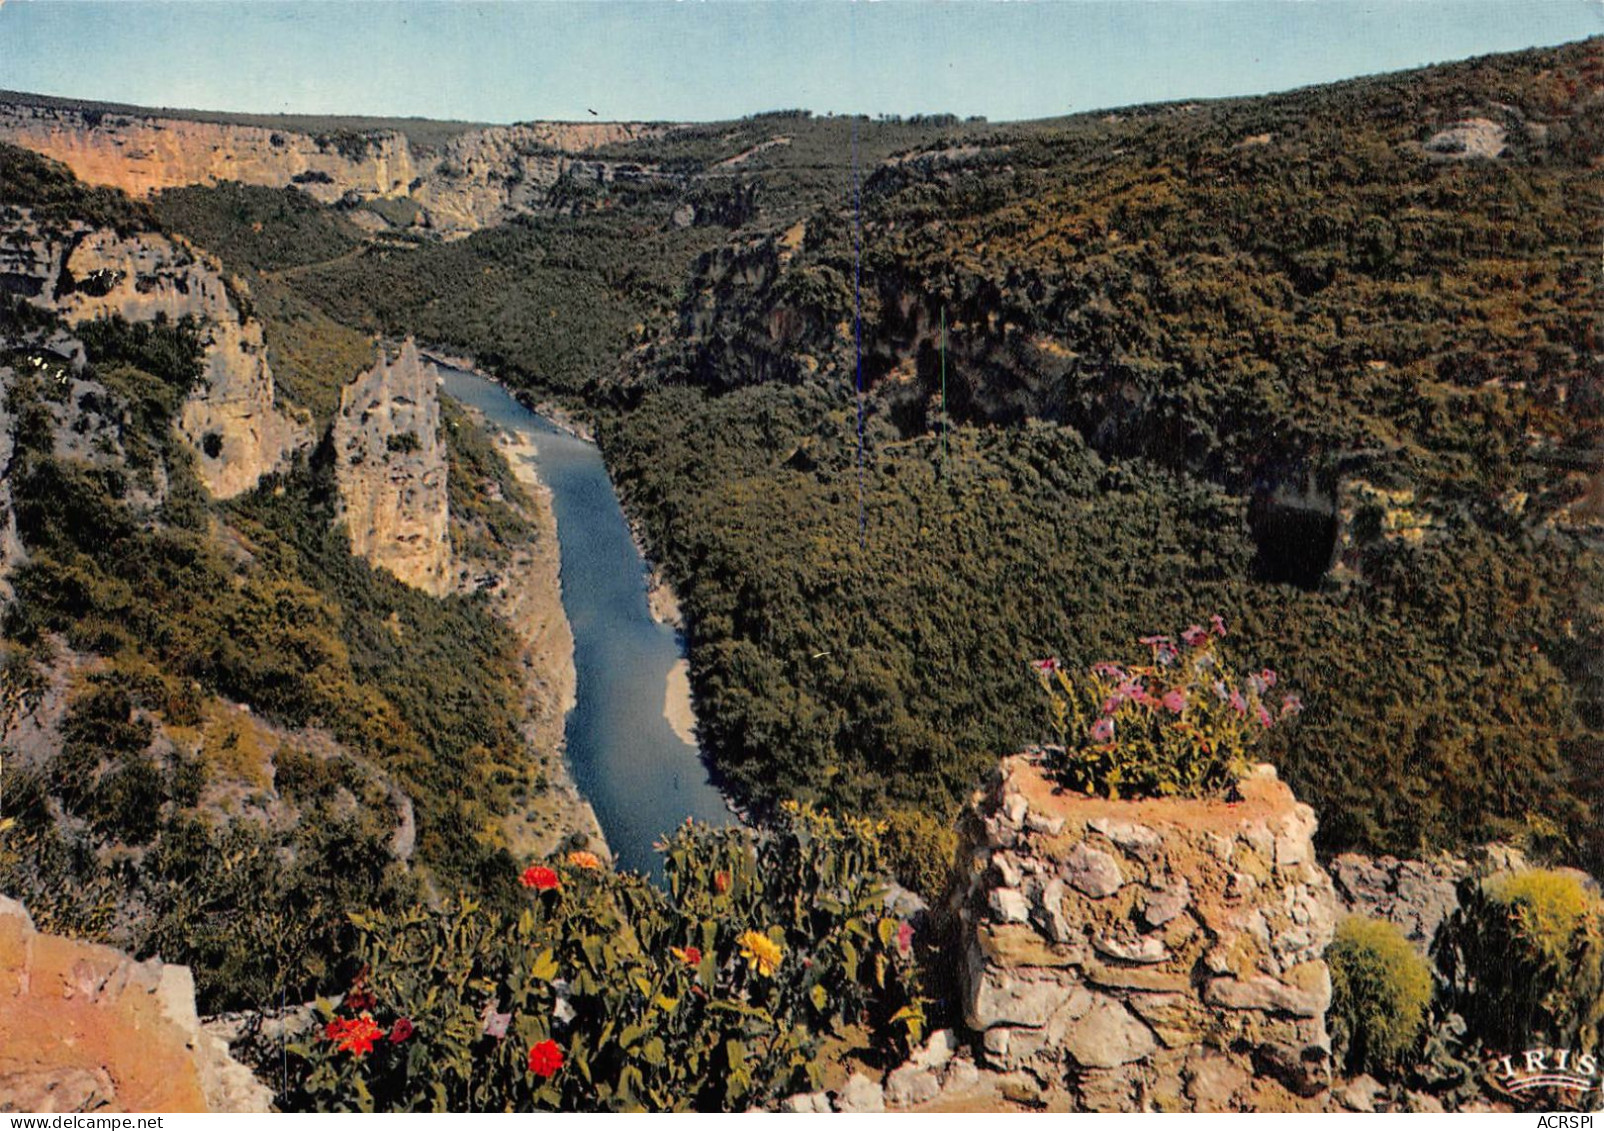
(545, 1058)
(1194, 636)
(401, 1030)
(540, 878)
(353, 1036)
(1046, 667)
(904, 936)
(721, 882)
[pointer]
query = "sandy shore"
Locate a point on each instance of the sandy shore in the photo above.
(677, 701)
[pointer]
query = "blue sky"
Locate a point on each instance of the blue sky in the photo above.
(709, 59)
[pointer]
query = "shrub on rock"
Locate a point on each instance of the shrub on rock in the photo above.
(1380, 988)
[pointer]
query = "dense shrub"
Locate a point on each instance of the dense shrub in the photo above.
(606, 993)
(920, 851)
(1381, 988)
(1523, 958)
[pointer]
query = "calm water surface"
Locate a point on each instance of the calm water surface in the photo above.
(640, 777)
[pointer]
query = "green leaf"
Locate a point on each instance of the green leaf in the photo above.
(818, 997)
(653, 1053)
(544, 966)
(887, 930)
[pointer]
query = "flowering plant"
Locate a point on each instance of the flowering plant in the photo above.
(606, 993)
(1180, 724)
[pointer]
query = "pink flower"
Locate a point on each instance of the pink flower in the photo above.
(1217, 624)
(1268, 677)
(1194, 636)
(1046, 667)
(1108, 671)
(1103, 730)
(1238, 704)
(494, 1023)
(1175, 701)
(1264, 716)
(1291, 705)
(1154, 641)
(1166, 654)
(1256, 684)
(904, 937)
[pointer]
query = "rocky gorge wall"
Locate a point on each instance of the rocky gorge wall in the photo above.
(1161, 954)
(230, 418)
(478, 178)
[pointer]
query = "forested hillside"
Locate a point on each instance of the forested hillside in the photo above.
(222, 731)
(1324, 363)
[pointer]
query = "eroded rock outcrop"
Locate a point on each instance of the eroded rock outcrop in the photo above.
(1160, 954)
(230, 418)
(86, 1028)
(390, 464)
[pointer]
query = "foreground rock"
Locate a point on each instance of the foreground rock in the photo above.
(86, 1028)
(1161, 954)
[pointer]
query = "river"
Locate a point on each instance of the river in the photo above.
(641, 778)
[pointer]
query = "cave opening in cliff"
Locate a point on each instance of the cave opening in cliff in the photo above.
(1296, 540)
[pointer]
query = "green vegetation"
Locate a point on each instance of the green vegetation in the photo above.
(608, 994)
(259, 601)
(1523, 960)
(487, 502)
(260, 228)
(56, 197)
(1381, 988)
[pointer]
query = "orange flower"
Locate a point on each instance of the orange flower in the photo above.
(355, 1037)
(545, 1058)
(540, 878)
(587, 860)
(721, 882)
(690, 955)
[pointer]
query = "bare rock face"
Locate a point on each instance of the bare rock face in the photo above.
(486, 176)
(84, 1027)
(238, 433)
(1172, 952)
(391, 469)
(230, 418)
(1416, 895)
(141, 155)
(480, 178)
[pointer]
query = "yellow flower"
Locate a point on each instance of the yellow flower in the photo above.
(761, 951)
(584, 860)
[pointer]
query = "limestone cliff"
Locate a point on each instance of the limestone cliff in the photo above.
(1160, 954)
(485, 176)
(143, 154)
(391, 469)
(479, 178)
(230, 418)
(86, 1028)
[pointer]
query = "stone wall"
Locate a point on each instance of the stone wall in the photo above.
(1163, 954)
(86, 1028)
